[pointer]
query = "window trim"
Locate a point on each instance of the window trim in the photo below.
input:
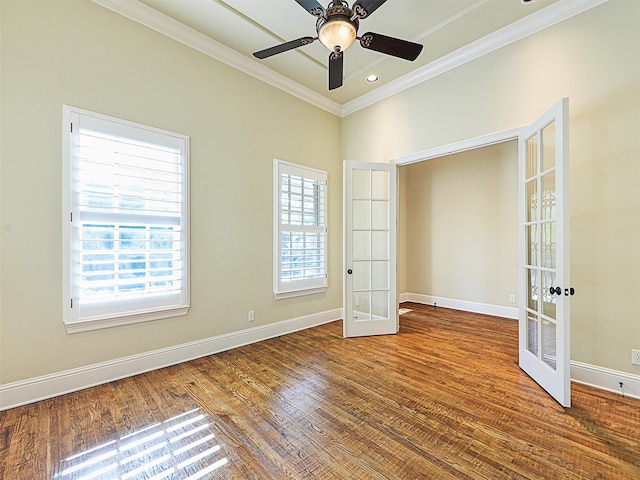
(72, 323)
(300, 287)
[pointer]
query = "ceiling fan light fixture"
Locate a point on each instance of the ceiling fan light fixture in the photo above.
(338, 27)
(337, 33)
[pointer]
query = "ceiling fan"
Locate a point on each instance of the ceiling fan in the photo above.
(337, 28)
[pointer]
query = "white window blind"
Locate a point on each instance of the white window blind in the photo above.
(127, 225)
(300, 244)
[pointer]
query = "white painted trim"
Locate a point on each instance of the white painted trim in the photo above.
(161, 23)
(459, 147)
(529, 25)
(606, 379)
(403, 297)
(464, 305)
(47, 386)
(151, 18)
(299, 293)
(88, 324)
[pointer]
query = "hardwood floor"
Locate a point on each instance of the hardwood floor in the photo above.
(443, 399)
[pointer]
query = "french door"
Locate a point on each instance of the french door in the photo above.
(544, 313)
(370, 304)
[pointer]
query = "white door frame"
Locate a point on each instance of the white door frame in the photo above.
(459, 147)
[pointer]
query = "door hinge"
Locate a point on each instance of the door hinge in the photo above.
(72, 303)
(71, 217)
(71, 126)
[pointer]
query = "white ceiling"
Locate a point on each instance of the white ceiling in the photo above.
(450, 30)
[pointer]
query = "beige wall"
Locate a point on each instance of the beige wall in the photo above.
(77, 53)
(592, 59)
(461, 223)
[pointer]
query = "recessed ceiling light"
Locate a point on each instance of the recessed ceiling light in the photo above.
(527, 2)
(372, 78)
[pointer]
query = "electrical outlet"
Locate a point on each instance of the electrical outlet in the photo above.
(512, 299)
(251, 316)
(635, 357)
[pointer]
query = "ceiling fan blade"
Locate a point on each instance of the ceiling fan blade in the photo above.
(312, 6)
(364, 8)
(283, 47)
(391, 46)
(335, 69)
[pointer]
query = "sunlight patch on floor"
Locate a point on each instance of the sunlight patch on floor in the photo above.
(181, 447)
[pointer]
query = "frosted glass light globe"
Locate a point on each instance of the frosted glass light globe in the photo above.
(337, 33)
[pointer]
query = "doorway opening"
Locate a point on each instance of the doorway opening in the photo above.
(542, 239)
(458, 229)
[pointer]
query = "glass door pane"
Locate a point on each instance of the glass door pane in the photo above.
(540, 248)
(370, 244)
(549, 343)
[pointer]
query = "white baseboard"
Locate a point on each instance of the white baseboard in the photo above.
(475, 307)
(606, 379)
(47, 386)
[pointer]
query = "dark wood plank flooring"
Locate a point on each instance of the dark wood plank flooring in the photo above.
(443, 399)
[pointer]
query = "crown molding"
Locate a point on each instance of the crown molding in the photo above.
(536, 22)
(161, 23)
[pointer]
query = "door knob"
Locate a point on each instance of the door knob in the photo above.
(569, 291)
(556, 290)
(349, 271)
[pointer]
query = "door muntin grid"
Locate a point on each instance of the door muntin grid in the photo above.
(540, 237)
(370, 245)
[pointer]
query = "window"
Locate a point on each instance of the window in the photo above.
(300, 244)
(125, 222)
